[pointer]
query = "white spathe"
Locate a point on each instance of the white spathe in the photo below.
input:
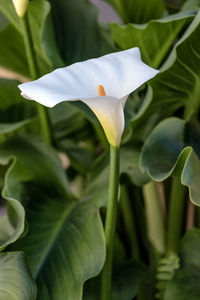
(20, 6)
(120, 73)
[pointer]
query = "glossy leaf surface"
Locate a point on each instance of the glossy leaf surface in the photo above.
(78, 34)
(154, 39)
(175, 87)
(173, 149)
(66, 244)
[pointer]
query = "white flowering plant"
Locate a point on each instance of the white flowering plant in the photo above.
(99, 150)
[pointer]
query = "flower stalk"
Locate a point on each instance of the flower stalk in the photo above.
(154, 215)
(32, 64)
(110, 224)
(176, 214)
(129, 222)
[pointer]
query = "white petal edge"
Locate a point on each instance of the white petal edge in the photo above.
(120, 73)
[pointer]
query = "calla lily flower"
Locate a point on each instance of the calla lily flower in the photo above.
(103, 84)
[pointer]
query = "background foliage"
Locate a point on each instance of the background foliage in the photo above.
(51, 235)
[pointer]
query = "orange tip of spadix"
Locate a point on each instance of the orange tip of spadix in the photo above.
(101, 90)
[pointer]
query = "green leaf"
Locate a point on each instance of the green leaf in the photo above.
(129, 165)
(43, 34)
(154, 38)
(3, 21)
(71, 132)
(78, 34)
(172, 149)
(9, 94)
(15, 112)
(15, 280)
(174, 5)
(76, 154)
(10, 127)
(12, 54)
(66, 245)
(176, 86)
(185, 283)
(12, 224)
(191, 4)
(68, 122)
(12, 51)
(97, 188)
(7, 8)
(138, 11)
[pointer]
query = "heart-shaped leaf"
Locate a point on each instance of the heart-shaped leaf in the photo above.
(154, 39)
(172, 149)
(66, 245)
(12, 51)
(169, 90)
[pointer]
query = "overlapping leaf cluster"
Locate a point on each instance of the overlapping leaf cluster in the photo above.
(52, 233)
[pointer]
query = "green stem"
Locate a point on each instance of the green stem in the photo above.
(154, 215)
(110, 224)
(28, 42)
(129, 222)
(32, 64)
(42, 112)
(175, 214)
